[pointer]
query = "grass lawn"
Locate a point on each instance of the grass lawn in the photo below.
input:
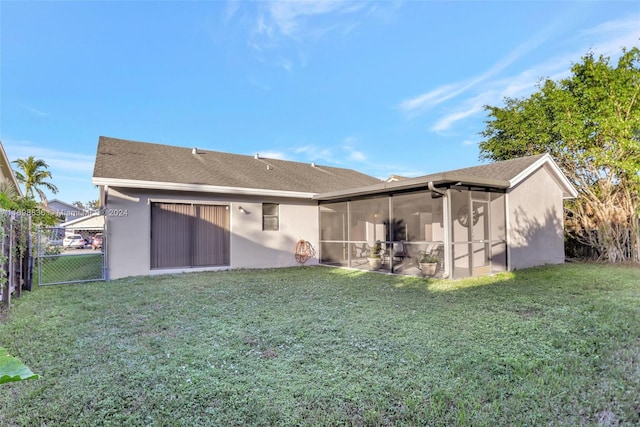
(321, 346)
(66, 268)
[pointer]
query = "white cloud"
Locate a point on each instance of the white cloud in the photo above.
(280, 25)
(414, 106)
(58, 160)
(273, 155)
(314, 153)
(70, 171)
(608, 38)
(493, 92)
(35, 111)
(290, 16)
(615, 29)
(284, 63)
(351, 152)
(357, 156)
(257, 83)
(304, 149)
(231, 9)
(263, 28)
(491, 87)
(447, 121)
(346, 154)
(333, 154)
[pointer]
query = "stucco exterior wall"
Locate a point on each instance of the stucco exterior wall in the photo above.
(535, 222)
(129, 225)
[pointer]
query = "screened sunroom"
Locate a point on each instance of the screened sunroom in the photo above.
(468, 222)
(460, 228)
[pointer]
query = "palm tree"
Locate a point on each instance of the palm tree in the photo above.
(32, 174)
(8, 195)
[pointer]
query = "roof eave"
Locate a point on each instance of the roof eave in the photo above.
(77, 220)
(12, 176)
(70, 206)
(415, 183)
(200, 188)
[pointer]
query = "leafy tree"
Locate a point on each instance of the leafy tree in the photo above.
(33, 173)
(590, 124)
(93, 205)
(11, 200)
(38, 214)
(8, 194)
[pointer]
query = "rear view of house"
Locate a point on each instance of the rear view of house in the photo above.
(174, 209)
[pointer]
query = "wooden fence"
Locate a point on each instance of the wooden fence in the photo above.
(16, 255)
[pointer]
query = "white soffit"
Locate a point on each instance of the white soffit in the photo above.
(201, 188)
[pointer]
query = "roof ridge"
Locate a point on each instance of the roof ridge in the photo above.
(127, 161)
(492, 164)
(202, 150)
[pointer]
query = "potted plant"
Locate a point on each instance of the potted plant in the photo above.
(428, 263)
(375, 259)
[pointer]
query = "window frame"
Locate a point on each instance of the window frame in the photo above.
(271, 216)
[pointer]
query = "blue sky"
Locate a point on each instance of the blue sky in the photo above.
(393, 87)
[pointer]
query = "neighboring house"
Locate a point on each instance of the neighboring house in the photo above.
(181, 209)
(6, 172)
(88, 226)
(394, 178)
(65, 210)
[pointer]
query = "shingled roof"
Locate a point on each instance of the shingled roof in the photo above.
(128, 163)
(499, 175)
(505, 170)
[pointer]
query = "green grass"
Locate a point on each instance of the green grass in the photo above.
(67, 268)
(321, 346)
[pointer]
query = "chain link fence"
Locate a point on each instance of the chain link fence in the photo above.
(67, 258)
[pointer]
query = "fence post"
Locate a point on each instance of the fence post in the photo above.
(6, 287)
(38, 258)
(4, 276)
(14, 249)
(27, 260)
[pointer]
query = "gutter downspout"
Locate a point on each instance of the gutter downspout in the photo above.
(507, 234)
(106, 264)
(435, 190)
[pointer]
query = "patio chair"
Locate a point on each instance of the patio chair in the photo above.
(400, 254)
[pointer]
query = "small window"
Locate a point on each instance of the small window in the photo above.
(270, 219)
